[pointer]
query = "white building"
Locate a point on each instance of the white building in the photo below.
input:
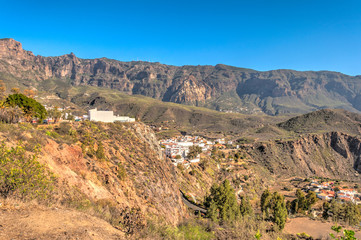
(181, 146)
(185, 144)
(107, 116)
(195, 160)
(324, 196)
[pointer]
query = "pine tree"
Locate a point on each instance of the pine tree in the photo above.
(351, 214)
(265, 203)
(245, 207)
(279, 210)
(222, 203)
(302, 204)
(274, 208)
(213, 212)
(311, 198)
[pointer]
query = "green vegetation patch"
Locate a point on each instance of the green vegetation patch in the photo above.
(22, 176)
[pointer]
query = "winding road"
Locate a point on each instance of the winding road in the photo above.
(192, 205)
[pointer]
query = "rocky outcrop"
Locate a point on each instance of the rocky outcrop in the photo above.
(9, 48)
(219, 87)
(333, 154)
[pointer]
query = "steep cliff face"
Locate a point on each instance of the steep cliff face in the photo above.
(273, 92)
(332, 154)
(9, 49)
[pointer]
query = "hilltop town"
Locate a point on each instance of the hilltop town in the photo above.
(188, 149)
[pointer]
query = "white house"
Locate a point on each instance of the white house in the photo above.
(195, 160)
(107, 116)
(344, 191)
(324, 196)
(185, 144)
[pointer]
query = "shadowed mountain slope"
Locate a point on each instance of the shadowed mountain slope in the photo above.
(325, 120)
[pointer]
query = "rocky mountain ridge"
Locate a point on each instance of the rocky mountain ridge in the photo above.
(220, 87)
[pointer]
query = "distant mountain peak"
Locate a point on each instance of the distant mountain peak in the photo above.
(12, 48)
(221, 87)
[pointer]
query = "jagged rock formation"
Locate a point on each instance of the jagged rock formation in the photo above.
(219, 87)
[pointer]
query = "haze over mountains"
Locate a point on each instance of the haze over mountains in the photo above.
(220, 87)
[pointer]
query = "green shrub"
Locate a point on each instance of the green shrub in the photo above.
(52, 134)
(63, 129)
(193, 231)
(122, 173)
(100, 152)
(22, 176)
(190, 230)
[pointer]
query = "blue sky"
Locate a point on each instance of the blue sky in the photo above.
(263, 35)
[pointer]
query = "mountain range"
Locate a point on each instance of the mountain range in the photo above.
(221, 87)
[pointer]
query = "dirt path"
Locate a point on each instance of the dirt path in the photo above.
(54, 224)
(316, 229)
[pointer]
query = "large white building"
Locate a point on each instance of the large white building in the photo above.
(107, 116)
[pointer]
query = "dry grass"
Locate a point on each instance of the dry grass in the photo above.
(315, 228)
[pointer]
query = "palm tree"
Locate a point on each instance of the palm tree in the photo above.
(11, 114)
(17, 114)
(3, 115)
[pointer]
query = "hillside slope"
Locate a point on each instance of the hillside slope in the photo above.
(219, 87)
(324, 121)
(34, 222)
(112, 171)
(178, 118)
(322, 143)
(333, 155)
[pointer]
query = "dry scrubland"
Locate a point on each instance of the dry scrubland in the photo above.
(110, 171)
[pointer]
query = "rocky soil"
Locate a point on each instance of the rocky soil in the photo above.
(35, 222)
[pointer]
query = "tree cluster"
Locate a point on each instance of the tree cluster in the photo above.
(30, 107)
(273, 208)
(303, 202)
(55, 114)
(194, 151)
(17, 106)
(347, 212)
(222, 204)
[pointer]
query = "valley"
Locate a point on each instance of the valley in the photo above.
(211, 152)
